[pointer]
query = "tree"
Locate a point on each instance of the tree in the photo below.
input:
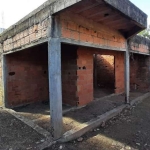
(145, 33)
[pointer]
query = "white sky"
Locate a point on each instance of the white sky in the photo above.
(14, 10)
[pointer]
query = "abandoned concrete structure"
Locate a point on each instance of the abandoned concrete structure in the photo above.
(65, 49)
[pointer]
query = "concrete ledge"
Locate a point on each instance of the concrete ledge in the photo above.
(30, 123)
(91, 45)
(139, 99)
(109, 96)
(87, 126)
(46, 144)
(140, 53)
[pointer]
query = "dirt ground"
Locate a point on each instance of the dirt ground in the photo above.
(39, 113)
(15, 135)
(128, 131)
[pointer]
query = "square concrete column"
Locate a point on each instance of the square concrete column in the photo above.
(4, 77)
(95, 70)
(55, 86)
(127, 75)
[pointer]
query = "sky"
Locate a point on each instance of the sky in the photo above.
(12, 11)
(144, 5)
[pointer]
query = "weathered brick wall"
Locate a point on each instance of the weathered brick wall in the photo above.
(139, 48)
(139, 44)
(85, 75)
(77, 75)
(85, 72)
(27, 76)
(139, 73)
(80, 29)
(26, 37)
(119, 68)
(105, 71)
(119, 72)
(69, 74)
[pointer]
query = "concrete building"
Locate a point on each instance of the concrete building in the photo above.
(64, 49)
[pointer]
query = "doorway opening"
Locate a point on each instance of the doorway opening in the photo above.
(104, 75)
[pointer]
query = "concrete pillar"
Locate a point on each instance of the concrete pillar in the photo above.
(4, 77)
(55, 82)
(127, 75)
(55, 86)
(95, 70)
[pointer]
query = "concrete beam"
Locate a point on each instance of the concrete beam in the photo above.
(140, 53)
(87, 44)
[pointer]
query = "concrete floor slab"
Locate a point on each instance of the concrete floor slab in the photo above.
(39, 112)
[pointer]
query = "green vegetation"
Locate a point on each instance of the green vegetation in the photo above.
(146, 33)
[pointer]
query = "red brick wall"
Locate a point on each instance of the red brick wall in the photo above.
(139, 73)
(26, 37)
(85, 75)
(77, 75)
(85, 72)
(119, 72)
(105, 71)
(69, 74)
(140, 48)
(119, 68)
(27, 76)
(81, 29)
